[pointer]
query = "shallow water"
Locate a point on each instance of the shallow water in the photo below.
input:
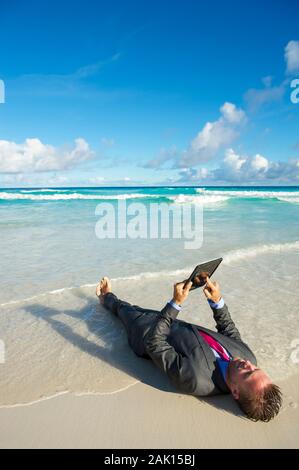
(63, 341)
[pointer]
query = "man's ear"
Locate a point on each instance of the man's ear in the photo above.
(235, 392)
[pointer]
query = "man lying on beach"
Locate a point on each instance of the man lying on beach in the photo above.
(198, 361)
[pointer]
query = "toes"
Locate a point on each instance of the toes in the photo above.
(98, 291)
(99, 287)
(103, 286)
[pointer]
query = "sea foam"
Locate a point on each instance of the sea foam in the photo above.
(68, 197)
(285, 196)
(228, 259)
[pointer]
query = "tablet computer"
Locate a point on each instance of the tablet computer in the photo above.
(201, 272)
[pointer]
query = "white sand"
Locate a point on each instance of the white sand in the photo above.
(144, 411)
(145, 417)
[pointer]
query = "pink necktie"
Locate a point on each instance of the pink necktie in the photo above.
(215, 345)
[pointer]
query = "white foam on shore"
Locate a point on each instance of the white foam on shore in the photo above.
(66, 392)
(229, 258)
(34, 402)
(257, 250)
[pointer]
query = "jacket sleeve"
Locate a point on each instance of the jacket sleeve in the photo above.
(225, 324)
(177, 367)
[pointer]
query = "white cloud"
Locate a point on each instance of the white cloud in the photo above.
(243, 169)
(210, 139)
(34, 156)
(192, 175)
(286, 172)
(203, 173)
(291, 54)
(257, 97)
(233, 160)
(231, 113)
(259, 163)
(214, 136)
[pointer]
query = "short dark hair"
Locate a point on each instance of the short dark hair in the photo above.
(264, 406)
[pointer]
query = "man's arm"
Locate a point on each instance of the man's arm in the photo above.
(175, 365)
(224, 322)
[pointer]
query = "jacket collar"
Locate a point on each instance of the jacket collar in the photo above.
(234, 347)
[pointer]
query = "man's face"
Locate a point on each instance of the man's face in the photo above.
(243, 375)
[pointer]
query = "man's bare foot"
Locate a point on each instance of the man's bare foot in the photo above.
(103, 288)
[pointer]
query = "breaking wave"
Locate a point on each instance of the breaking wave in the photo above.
(66, 197)
(285, 196)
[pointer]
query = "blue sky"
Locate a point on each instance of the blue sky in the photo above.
(128, 93)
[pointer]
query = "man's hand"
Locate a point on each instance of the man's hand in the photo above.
(212, 290)
(180, 293)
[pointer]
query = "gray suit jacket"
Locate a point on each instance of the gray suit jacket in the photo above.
(178, 349)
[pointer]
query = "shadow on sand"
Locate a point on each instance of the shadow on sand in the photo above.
(102, 323)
